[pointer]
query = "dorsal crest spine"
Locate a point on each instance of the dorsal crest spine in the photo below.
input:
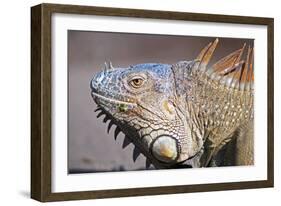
(230, 71)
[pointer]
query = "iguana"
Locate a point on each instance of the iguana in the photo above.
(186, 113)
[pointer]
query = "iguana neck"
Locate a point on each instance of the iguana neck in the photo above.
(222, 109)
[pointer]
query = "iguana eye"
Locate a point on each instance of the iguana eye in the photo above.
(136, 82)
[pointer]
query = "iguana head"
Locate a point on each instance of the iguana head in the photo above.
(144, 102)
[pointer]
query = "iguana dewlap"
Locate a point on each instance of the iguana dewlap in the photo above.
(184, 111)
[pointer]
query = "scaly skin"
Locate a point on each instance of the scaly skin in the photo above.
(183, 112)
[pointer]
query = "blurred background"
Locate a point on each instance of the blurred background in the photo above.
(90, 148)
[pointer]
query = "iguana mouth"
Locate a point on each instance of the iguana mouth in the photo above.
(111, 100)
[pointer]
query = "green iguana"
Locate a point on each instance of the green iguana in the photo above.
(186, 113)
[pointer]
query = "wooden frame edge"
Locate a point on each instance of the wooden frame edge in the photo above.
(83, 195)
(158, 14)
(270, 100)
(36, 139)
(40, 102)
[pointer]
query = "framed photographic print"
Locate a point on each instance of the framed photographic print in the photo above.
(132, 102)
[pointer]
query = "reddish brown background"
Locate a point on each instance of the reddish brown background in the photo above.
(90, 148)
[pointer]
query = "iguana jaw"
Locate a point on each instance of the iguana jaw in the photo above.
(162, 150)
(142, 144)
(97, 96)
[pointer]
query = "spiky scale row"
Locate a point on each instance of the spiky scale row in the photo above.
(100, 114)
(98, 109)
(106, 118)
(206, 54)
(108, 66)
(136, 153)
(126, 141)
(225, 64)
(230, 70)
(116, 132)
(111, 123)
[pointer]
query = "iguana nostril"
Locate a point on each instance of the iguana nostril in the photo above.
(164, 149)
